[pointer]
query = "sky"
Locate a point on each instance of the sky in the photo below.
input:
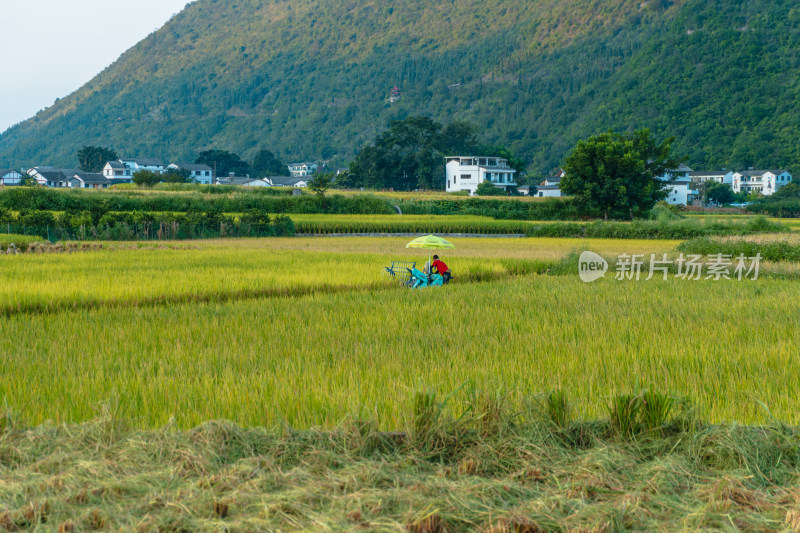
(50, 48)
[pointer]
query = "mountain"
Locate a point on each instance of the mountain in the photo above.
(311, 79)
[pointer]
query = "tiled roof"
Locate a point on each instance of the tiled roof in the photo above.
(286, 181)
(144, 161)
(192, 167)
(90, 177)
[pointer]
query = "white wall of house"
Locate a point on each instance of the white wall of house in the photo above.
(719, 177)
(466, 173)
(764, 182)
(201, 176)
(116, 173)
(548, 191)
(11, 178)
(257, 183)
(680, 193)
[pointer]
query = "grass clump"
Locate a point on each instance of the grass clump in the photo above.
(647, 411)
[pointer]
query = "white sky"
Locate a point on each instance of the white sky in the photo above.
(49, 48)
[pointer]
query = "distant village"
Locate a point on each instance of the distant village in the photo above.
(465, 173)
(121, 171)
(462, 174)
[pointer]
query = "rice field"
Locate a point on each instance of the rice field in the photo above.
(318, 359)
(285, 384)
(144, 274)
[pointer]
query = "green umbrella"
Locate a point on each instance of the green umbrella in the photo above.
(430, 242)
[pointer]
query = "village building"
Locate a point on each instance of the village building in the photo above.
(48, 176)
(465, 173)
(300, 170)
(89, 180)
(525, 190)
(765, 182)
(122, 170)
(288, 181)
(719, 176)
(548, 191)
(680, 190)
(9, 177)
(202, 174)
(233, 179)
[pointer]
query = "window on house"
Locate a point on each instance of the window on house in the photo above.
(464, 176)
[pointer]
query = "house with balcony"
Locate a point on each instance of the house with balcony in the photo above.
(765, 182)
(301, 170)
(465, 173)
(202, 174)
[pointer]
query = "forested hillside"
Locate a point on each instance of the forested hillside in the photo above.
(310, 79)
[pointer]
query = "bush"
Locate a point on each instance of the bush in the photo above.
(487, 188)
(770, 251)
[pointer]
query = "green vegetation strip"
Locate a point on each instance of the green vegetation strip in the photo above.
(492, 470)
(640, 229)
(775, 249)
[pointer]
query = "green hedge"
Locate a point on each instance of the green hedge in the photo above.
(652, 229)
(154, 226)
(42, 199)
(785, 207)
(549, 209)
(770, 251)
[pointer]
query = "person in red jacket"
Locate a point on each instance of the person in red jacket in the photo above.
(441, 268)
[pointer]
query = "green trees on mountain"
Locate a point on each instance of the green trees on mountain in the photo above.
(94, 158)
(310, 79)
(266, 164)
(223, 162)
(410, 154)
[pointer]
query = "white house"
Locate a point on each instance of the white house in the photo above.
(548, 191)
(117, 172)
(121, 171)
(551, 186)
(679, 186)
(719, 176)
(202, 174)
(765, 182)
(299, 170)
(680, 192)
(48, 176)
(9, 176)
(465, 173)
(89, 180)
